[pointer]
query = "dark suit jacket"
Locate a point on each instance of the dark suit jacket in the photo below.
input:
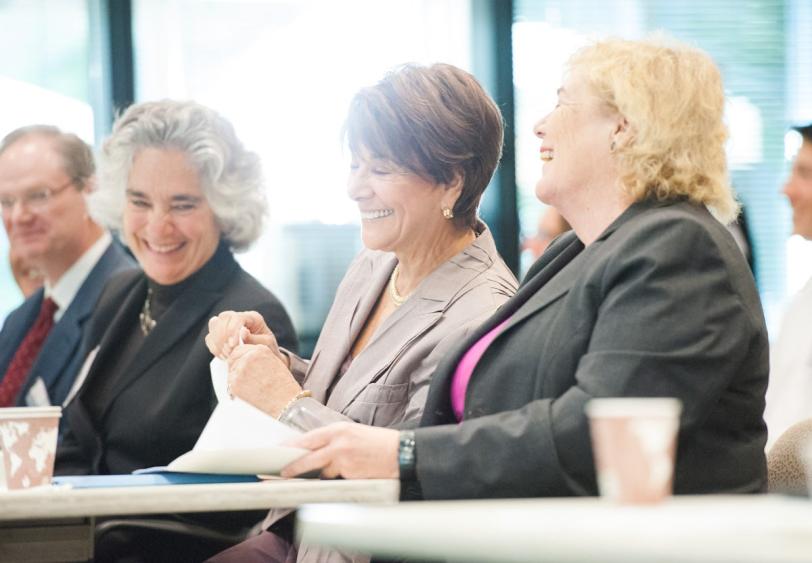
(60, 358)
(662, 304)
(165, 397)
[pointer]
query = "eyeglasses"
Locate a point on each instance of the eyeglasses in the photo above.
(35, 199)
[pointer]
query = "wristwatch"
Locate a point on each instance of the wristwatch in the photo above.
(407, 456)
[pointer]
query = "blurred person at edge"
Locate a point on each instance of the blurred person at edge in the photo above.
(425, 142)
(647, 296)
(550, 225)
(185, 194)
(27, 278)
(789, 396)
(45, 177)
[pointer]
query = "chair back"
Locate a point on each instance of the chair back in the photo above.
(785, 462)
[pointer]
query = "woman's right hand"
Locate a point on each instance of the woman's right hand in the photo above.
(229, 327)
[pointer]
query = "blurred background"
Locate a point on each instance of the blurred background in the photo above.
(284, 71)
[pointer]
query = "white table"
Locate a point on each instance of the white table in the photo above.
(707, 529)
(56, 523)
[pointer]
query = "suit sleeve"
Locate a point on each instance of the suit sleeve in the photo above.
(667, 322)
(298, 366)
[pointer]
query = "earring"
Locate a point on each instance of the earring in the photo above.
(612, 147)
(447, 213)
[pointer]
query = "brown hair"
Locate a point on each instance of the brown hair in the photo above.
(805, 131)
(76, 154)
(436, 121)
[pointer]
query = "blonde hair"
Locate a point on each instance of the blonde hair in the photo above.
(671, 95)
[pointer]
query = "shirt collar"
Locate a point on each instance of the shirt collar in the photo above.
(71, 281)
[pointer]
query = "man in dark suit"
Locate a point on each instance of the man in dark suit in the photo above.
(44, 176)
(789, 397)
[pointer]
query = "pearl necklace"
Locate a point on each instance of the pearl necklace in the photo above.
(145, 318)
(397, 298)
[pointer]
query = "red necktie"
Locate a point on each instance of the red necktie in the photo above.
(26, 354)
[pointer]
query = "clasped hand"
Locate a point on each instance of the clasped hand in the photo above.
(258, 372)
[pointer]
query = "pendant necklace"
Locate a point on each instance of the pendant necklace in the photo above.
(145, 318)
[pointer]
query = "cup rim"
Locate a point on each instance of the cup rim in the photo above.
(30, 412)
(623, 407)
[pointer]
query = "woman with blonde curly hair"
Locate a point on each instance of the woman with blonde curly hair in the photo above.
(647, 296)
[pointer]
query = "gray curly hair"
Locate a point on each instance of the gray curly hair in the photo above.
(231, 176)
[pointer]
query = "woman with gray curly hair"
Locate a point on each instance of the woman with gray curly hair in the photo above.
(183, 193)
(230, 176)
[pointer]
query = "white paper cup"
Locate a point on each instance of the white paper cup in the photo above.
(28, 445)
(634, 443)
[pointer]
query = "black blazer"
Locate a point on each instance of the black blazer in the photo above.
(662, 304)
(165, 397)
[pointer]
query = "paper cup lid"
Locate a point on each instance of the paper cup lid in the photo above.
(30, 412)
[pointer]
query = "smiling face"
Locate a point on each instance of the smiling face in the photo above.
(799, 191)
(401, 212)
(168, 223)
(576, 144)
(50, 235)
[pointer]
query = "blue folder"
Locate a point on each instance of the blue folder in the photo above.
(149, 479)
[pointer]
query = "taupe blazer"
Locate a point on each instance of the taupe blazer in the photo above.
(387, 383)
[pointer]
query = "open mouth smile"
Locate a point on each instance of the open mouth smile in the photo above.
(376, 214)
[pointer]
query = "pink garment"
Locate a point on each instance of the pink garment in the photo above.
(462, 375)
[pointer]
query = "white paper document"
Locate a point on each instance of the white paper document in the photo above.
(237, 424)
(238, 438)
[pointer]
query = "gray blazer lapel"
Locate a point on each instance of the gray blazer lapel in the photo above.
(393, 336)
(353, 306)
(416, 316)
(369, 289)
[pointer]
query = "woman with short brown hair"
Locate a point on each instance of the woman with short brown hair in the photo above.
(424, 142)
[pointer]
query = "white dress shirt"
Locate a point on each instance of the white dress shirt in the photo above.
(71, 281)
(789, 395)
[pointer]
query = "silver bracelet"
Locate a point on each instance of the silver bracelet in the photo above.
(300, 395)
